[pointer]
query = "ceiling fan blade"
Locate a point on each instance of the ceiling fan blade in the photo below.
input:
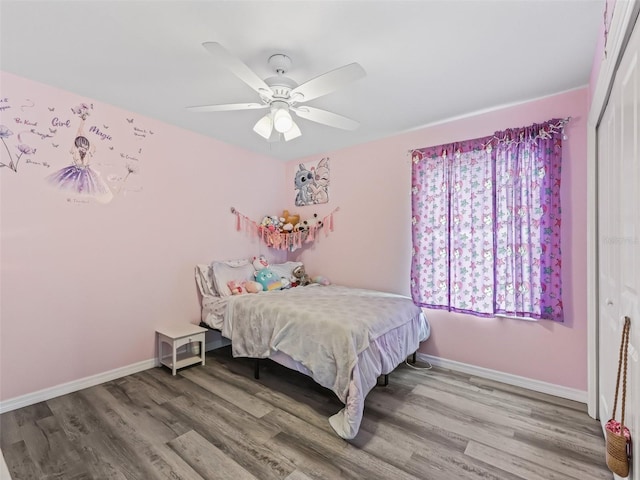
(238, 68)
(227, 107)
(326, 118)
(327, 82)
(293, 132)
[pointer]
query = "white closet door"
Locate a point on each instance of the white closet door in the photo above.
(619, 238)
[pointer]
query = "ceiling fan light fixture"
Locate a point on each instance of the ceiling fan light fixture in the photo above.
(294, 132)
(282, 120)
(264, 126)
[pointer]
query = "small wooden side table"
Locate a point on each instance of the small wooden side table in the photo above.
(176, 336)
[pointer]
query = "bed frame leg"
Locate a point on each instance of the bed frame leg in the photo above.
(413, 357)
(385, 383)
(256, 369)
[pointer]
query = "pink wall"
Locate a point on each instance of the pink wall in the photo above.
(371, 244)
(84, 285)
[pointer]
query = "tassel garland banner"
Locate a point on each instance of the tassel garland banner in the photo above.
(283, 240)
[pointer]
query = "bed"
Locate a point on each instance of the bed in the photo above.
(342, 337)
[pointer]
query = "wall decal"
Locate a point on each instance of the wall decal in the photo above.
(94, 155)
(30, 104)
(312, 184)
(21, 149)
(80, 180)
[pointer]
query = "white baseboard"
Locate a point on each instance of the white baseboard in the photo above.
(509, 379)
(74, 386)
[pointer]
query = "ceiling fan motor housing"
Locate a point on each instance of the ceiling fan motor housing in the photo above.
(280, 84)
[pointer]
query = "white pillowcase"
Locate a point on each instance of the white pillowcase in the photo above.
(284, 269)
(223, 272)
(204, 280)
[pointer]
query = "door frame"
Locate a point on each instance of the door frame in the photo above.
(623, 20)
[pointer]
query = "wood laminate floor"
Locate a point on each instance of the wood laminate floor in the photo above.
(217, 422)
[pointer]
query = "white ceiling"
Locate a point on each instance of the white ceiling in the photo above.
(426, 61)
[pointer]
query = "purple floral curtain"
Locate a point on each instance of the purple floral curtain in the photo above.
(486, 224)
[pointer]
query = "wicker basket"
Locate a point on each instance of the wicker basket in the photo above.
(618, 437)
(617, 449)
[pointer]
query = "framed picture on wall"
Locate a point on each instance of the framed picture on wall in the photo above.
(312, 183)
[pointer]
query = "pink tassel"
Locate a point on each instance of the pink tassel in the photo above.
(237, 222)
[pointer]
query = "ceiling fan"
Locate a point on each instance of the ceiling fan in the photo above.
(282, 95)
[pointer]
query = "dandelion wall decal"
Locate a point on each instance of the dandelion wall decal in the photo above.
(23, 149)
(6, 133)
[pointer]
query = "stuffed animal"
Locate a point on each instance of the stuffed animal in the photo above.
(252, 287)
(272, 223)
(310, 223)
(321, 280)
(302, 278)
(287, 227)
(315, 221)
(268, 280)
(260, 262)
(292, 219)
(235, 287)
(286, 283)
(267, 223)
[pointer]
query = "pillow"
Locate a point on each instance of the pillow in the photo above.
(285, 270)
(224, 272)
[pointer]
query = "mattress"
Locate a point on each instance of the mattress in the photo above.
(342, 337)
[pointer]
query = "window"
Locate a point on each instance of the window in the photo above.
(486, 224)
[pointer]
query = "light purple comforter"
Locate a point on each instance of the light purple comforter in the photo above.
(345, 337)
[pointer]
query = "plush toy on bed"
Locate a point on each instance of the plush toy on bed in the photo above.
(321, 280)
(235, 287)
(239, 287)
(268, 280)
(302, 278)
(260, 262)
(252, 287)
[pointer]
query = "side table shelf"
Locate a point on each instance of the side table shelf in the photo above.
(176, 336)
